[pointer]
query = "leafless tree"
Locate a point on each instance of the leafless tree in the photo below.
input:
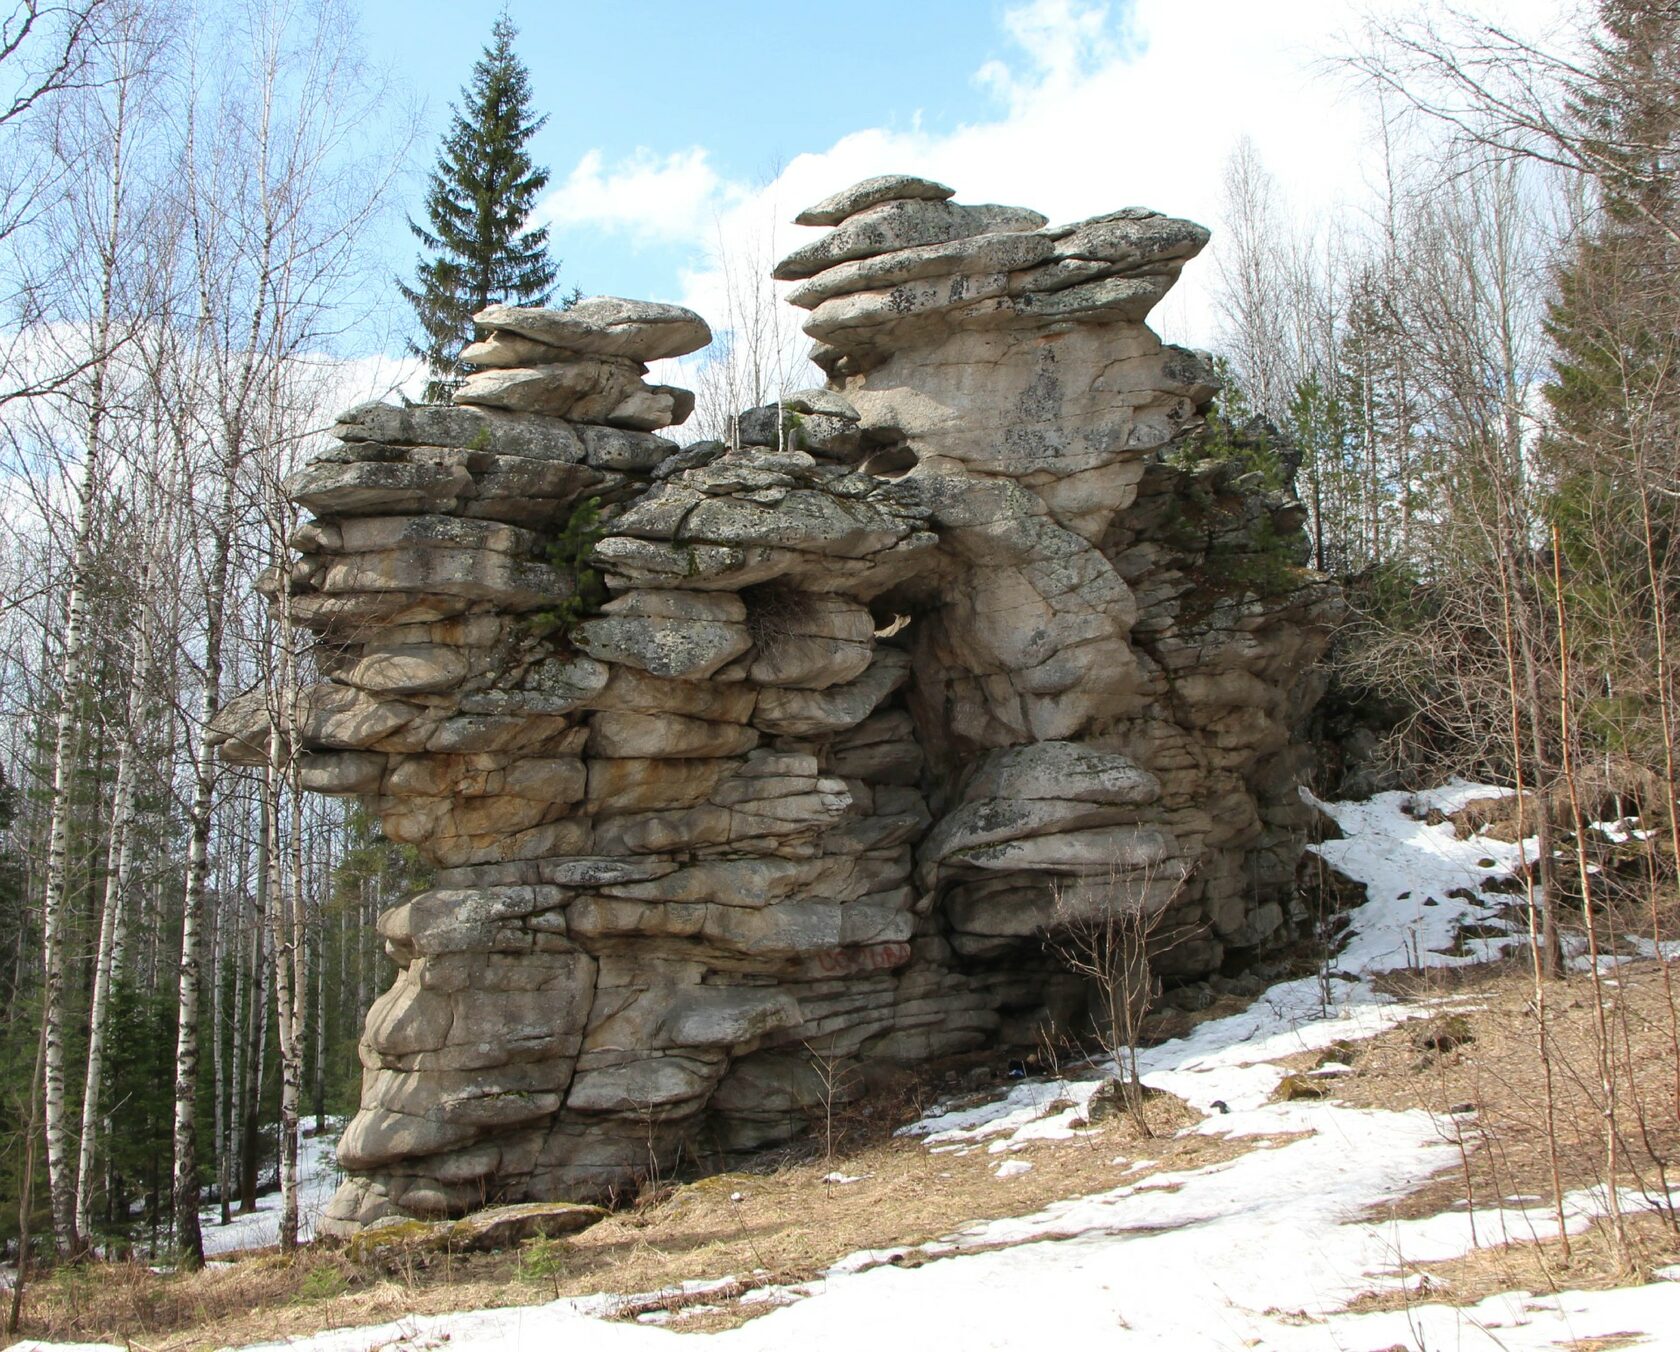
(1107, 928)
(759, 352)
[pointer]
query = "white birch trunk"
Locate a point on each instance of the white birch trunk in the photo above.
(61, 1183)
(284, 995)
(189, 1242)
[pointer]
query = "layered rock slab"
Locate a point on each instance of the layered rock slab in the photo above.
(902, 678)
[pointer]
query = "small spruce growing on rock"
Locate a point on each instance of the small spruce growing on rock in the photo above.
(568, 552)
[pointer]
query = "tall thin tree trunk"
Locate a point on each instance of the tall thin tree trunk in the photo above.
(363, 929)
(320, 1077)
(187, 1237)
(118, 873)
(284, 996)
(61, 1180)
(241, 1040)
(26, 1185)
(291, 985)
(218, 1040)
(61, 1173)
(1604, 1045)
(261, 973)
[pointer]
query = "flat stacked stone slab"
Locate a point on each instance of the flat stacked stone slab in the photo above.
(585, 364)
(901, 677)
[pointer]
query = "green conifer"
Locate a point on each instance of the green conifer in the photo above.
(1613, 322)
(478, 202)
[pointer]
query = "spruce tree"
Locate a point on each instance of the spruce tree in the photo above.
(1609, 452)
(477, 203)
(1612, 322)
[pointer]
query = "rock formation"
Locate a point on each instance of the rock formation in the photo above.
(915, 670)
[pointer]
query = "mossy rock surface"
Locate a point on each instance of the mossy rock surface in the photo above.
(391, 1236)
(1293, 1088)
(497, 1227)
(506, 1227)
(725, 1183)
(1340, 1052)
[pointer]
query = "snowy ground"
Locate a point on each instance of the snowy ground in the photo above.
(317, 1178)
(1262, 1251)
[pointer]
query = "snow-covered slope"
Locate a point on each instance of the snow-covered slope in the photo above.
(317, 1177)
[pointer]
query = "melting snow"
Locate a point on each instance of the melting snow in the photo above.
(1423, 883)
(1261, 1251)
(318, 1177)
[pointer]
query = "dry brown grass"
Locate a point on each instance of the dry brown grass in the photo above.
(786, 1225)
(781, 1224)
(1505, 1151)
(1499, 1073)
(1523, 1265)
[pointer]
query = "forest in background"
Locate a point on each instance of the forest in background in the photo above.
(1475, 394)
(1473, 391)
(190, 946)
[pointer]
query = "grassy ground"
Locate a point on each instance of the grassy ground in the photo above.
(1490, 1062)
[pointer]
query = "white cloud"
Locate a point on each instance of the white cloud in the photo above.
(1063, 42)
(1103, 105)
(348, 381)
(647, 196)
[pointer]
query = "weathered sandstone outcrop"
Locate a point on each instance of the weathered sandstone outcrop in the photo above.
(879, 694)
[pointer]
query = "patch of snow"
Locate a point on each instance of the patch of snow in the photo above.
(775, 1295)
(1621, 832)
(1263, 1250)
(1022, 1113)
(1410, 870)
(1607, 964)
(1012, 1169)
(1452, 796)
(838, 1177)
(318, 1179)
(31, 1345)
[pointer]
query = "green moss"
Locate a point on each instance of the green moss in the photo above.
(1293, 1088)
(793, 431)
(322, 1283)
(542, 1259)
(1262, 562)
(1232, 434)
(383, 1242)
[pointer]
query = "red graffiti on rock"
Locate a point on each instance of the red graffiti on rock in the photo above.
(875, 958)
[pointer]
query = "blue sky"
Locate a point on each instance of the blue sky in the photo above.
(753, 83)
(684, 137)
